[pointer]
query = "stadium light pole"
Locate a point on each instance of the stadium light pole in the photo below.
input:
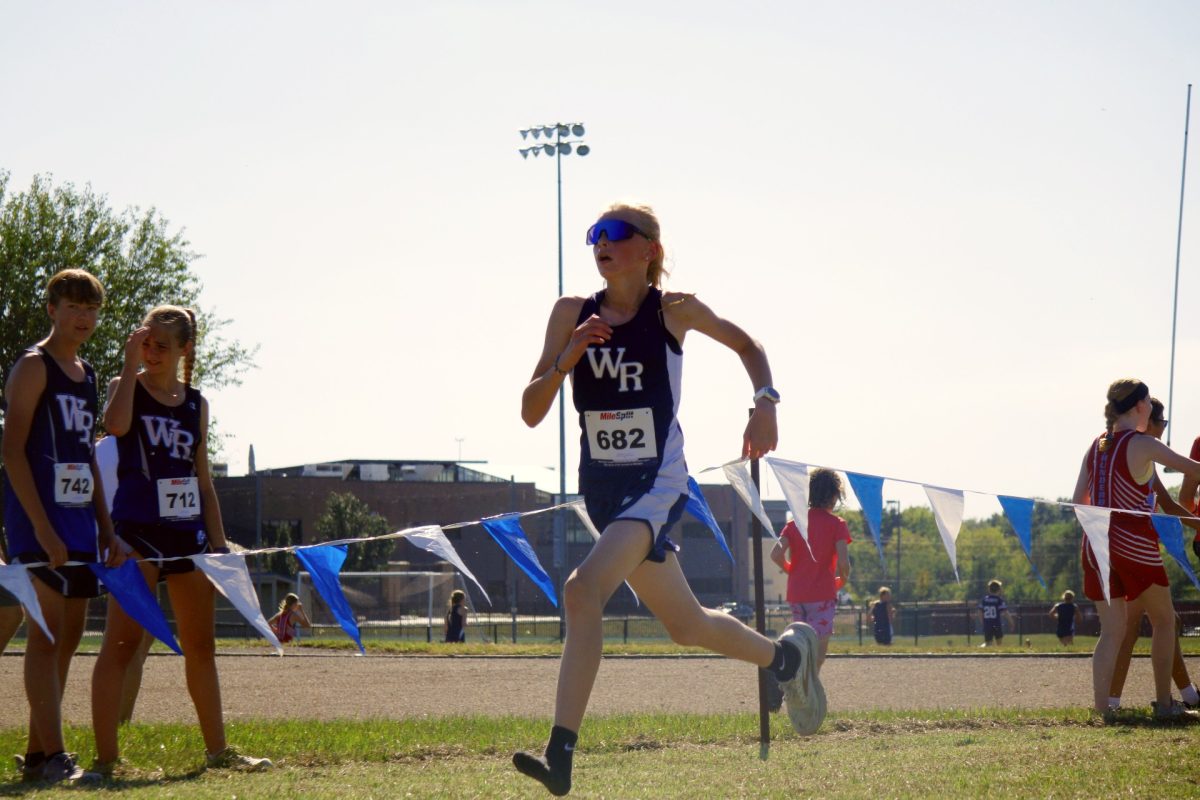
(1187, 118)
(894, 517)
(561, 139)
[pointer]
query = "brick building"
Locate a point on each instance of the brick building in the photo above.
(412, 493)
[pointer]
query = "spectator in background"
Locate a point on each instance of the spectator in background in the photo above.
(456, 617)
(994, 613)
(882, 615)
(816, 570)
(1068, 616)
(1187, 492)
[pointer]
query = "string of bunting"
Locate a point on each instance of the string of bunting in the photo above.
(229, 574)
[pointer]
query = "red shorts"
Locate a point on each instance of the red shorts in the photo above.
(1126, 579)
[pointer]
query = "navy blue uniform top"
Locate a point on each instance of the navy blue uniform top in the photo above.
(882, 619)
(991, 606)
(62, 432)
(160, 443)
(1066, 618)
(627, 394)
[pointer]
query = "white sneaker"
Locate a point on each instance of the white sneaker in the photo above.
(804, 694)
(231, 758)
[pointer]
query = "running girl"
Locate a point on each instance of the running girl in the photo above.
(1118, 473)
(165, 507)
(816, 570)
(1067, 614)
(622, 348)
(52, 506)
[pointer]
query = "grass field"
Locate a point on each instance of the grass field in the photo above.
(876, 755)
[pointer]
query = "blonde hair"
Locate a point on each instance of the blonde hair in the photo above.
(289, 600)
(994, 585)
(643, 217)
(884, 590)
(1068, 596)
(456, 597)
(76, 285)
(1118, 392)
(181, 323)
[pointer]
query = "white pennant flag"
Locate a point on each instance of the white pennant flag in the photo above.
(580, 509)
(738, 475)
(793, 479)
(948, 514)
(432, 539)
(1095, 527)
(228, 573)
(15, 578)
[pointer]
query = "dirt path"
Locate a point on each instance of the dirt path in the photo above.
(345, 686)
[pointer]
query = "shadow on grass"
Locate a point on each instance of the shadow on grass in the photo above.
(19, 788)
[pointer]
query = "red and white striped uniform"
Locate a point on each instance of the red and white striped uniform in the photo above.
(1132, 539)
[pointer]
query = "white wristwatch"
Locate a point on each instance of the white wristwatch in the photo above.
(768, 392)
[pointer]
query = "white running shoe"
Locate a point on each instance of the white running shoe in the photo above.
(232, 758)
(804, 694)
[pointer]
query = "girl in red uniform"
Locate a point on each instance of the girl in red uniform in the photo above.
(1118, 473)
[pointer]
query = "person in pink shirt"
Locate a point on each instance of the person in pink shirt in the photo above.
(816, 574)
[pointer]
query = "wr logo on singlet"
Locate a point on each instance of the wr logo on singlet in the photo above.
(603, 363)
(165, 432)
(76, 417)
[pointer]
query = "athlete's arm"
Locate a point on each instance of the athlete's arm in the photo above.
(565, 344)
(1169, 506)
(1082, 494)
(118, 412)
(25, 385)
(843, 565)
(1144, 449)
(683, 312)
(214, 527)
(1187, 493)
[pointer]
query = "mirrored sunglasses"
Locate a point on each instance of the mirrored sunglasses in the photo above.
(615, 230)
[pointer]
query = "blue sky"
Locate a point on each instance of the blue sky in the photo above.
(950, 224)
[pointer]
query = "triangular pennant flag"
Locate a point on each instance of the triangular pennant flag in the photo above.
(432, 539)
(580, 509)
(129, 588)
(228, 573)
(1095, 527)
(793, 479)
(948, 507)
(1170, 533)
(869, 491)
(15, 578)
(1019, 511)
(323, 564)
(738, 475)
(506, 530)
(697, 506)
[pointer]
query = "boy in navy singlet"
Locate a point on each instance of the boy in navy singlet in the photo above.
(54, 512)
(994, 613)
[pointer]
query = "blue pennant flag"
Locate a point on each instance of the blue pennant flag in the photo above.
(869, 491)
(1170, 533)
(323, 564)
(128, 587)
(506, 530)
(697, 506)
(1019, 511)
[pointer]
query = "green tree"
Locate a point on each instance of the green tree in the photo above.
(347, 517)
(135, 254)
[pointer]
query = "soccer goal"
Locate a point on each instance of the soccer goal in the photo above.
(404, 605)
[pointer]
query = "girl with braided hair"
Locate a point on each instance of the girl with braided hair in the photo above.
(165, 509)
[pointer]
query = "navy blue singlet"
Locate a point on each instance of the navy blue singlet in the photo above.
(627, 394)
(160, 443)
(62, 432)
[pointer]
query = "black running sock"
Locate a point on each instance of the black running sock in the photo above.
(553, 768)
(34, 760)
(786, 661)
